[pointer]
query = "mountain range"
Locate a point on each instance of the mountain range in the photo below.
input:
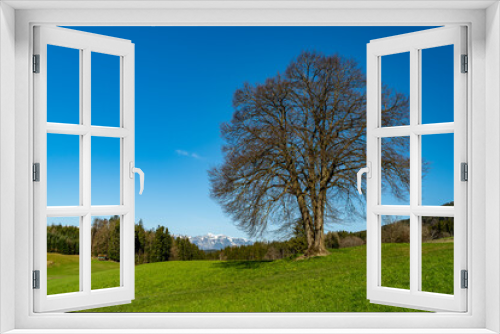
(220, 241)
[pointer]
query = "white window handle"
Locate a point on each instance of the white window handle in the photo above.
(368, 171)
(134, 170)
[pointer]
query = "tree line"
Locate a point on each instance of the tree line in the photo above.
(158, 245)
(296, 245)
(432, 228)
(105, 238)
(151, 245)
(63, 239)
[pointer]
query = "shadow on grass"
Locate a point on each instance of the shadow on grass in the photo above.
(241, 264)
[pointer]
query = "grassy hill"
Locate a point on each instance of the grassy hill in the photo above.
(335, 283)
(62, 273)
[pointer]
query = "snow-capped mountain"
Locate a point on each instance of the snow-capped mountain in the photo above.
(212, 241)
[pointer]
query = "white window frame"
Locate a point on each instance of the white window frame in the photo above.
(482, 19)
(414, 44)
(85, 43)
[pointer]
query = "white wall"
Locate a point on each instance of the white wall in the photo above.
(7, 162)
(492, 146)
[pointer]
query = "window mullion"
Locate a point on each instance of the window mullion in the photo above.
(414, 170)
(85, 162)
(82, 194)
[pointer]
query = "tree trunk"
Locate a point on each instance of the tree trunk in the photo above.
(317, 246)
(306, 219)
(314, 230)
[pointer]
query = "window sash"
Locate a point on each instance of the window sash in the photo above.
(414, 298)
(87, 43)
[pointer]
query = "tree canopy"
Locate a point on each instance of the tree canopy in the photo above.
(295, 143)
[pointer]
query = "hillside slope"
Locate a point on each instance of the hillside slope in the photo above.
(335, 283)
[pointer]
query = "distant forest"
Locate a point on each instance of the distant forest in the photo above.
(154, 245)
(158, 245)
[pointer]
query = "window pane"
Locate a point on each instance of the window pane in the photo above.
(63, 259)
(63, 85)
(105, 171)
(395, 171)
(105, 252)
(437, 85)
(437, 169)
(437, 254)
(63, 170)
(395, 91)
(105, 90)
(395, 231)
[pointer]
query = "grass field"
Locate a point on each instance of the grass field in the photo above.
(335, 283)
(62, 273)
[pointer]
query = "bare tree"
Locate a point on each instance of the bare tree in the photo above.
(295, 143)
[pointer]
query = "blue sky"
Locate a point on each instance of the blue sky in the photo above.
(185, 80)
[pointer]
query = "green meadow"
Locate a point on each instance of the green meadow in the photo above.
(334, 283)
(62, 273)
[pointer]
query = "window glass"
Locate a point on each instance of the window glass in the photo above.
(395, 90)
(63, 255)
(437, 85)
(437, 254)
(437, 169)
(395, 170)
(105, 90)
(395, 234)
(63, 170)
(63, 85)
(106, 171)
(106, 248)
